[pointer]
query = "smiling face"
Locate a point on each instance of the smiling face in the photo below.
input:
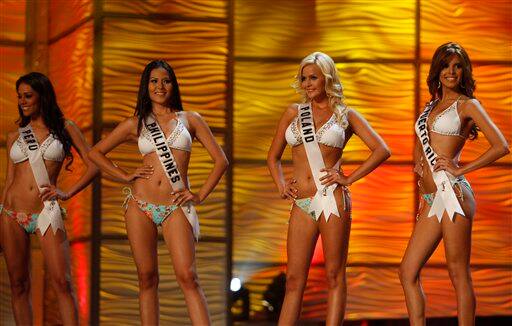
(313, 81)
(451, 72)
(160, 87)
(28, 100)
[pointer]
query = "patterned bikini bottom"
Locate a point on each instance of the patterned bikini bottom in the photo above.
(305, 203)
(28, 221)
(457, 185)
(157, 213)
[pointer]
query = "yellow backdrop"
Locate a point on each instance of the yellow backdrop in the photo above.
(235, 61)
(382, 50)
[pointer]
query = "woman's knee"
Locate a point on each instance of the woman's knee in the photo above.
(295, 281)
(148, 279)
(20, 286)
(335, 277)
(187, 279)
(459, 272)
(407, 275)
(61, 284)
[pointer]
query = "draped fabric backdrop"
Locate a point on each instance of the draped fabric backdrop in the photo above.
(235, 61)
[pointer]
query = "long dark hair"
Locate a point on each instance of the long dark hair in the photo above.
(440, 60)
(48, 108)
(144, 107)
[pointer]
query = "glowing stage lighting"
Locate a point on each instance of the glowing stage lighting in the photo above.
(240, 301)
(236, 284)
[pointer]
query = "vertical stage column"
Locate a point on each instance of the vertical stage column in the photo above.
(36, 59)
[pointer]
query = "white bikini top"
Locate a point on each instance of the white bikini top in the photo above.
(330, 134)
(51, 149)
(178, 139)
(448, 122)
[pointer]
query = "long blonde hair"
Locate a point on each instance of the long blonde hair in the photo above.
(333, 86)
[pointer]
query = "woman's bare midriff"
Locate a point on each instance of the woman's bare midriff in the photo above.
(305, 185)
(448, 146)
(23, 194)
(157, 189)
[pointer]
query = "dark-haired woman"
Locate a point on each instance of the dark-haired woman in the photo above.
(447, 202)
(30, 197)
(161, 194)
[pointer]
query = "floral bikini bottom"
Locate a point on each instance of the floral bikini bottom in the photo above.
(156, 213)
(28, 221)
(305, 203)
(457, 184)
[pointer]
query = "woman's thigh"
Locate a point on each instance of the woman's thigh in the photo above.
(143, 238)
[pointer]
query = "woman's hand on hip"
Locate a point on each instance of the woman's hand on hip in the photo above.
(143, 172)
(183, 196)
(445, 164)
(50, 192)
(289, 191)
(333, 176)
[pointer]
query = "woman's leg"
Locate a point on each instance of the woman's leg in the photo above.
(457, 244)
(179, 239)
(16, 247)
(302, 236)
(143, 237)
(423, 242)
(55, 250)
(335, 237)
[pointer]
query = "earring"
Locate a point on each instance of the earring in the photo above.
(462, 85)
(439, 84)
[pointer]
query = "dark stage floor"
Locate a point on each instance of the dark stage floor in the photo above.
(480, 321)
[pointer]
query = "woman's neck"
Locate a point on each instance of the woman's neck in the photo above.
(37, 121)
(320, 102)
(449, 94)
(160, 110)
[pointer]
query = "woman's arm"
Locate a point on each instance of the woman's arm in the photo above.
(122, 133)
(418, 152)
(9, 178)
(220, 162)
(380, 151)
(82, 147)
(499, 147)
(285, 188)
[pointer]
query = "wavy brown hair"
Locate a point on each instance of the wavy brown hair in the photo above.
(440, 60)
(50, 111)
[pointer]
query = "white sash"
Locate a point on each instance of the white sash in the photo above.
(171, 169)
(445, 198)
(324, 200)
(51, 213)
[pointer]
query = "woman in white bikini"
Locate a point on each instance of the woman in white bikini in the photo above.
(318, 130)
(447, 203)
(161, 195)
(29, 202)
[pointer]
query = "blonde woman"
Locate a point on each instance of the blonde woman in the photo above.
(318, 130)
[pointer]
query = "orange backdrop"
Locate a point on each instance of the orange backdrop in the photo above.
(382, 51)
(97, 49)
